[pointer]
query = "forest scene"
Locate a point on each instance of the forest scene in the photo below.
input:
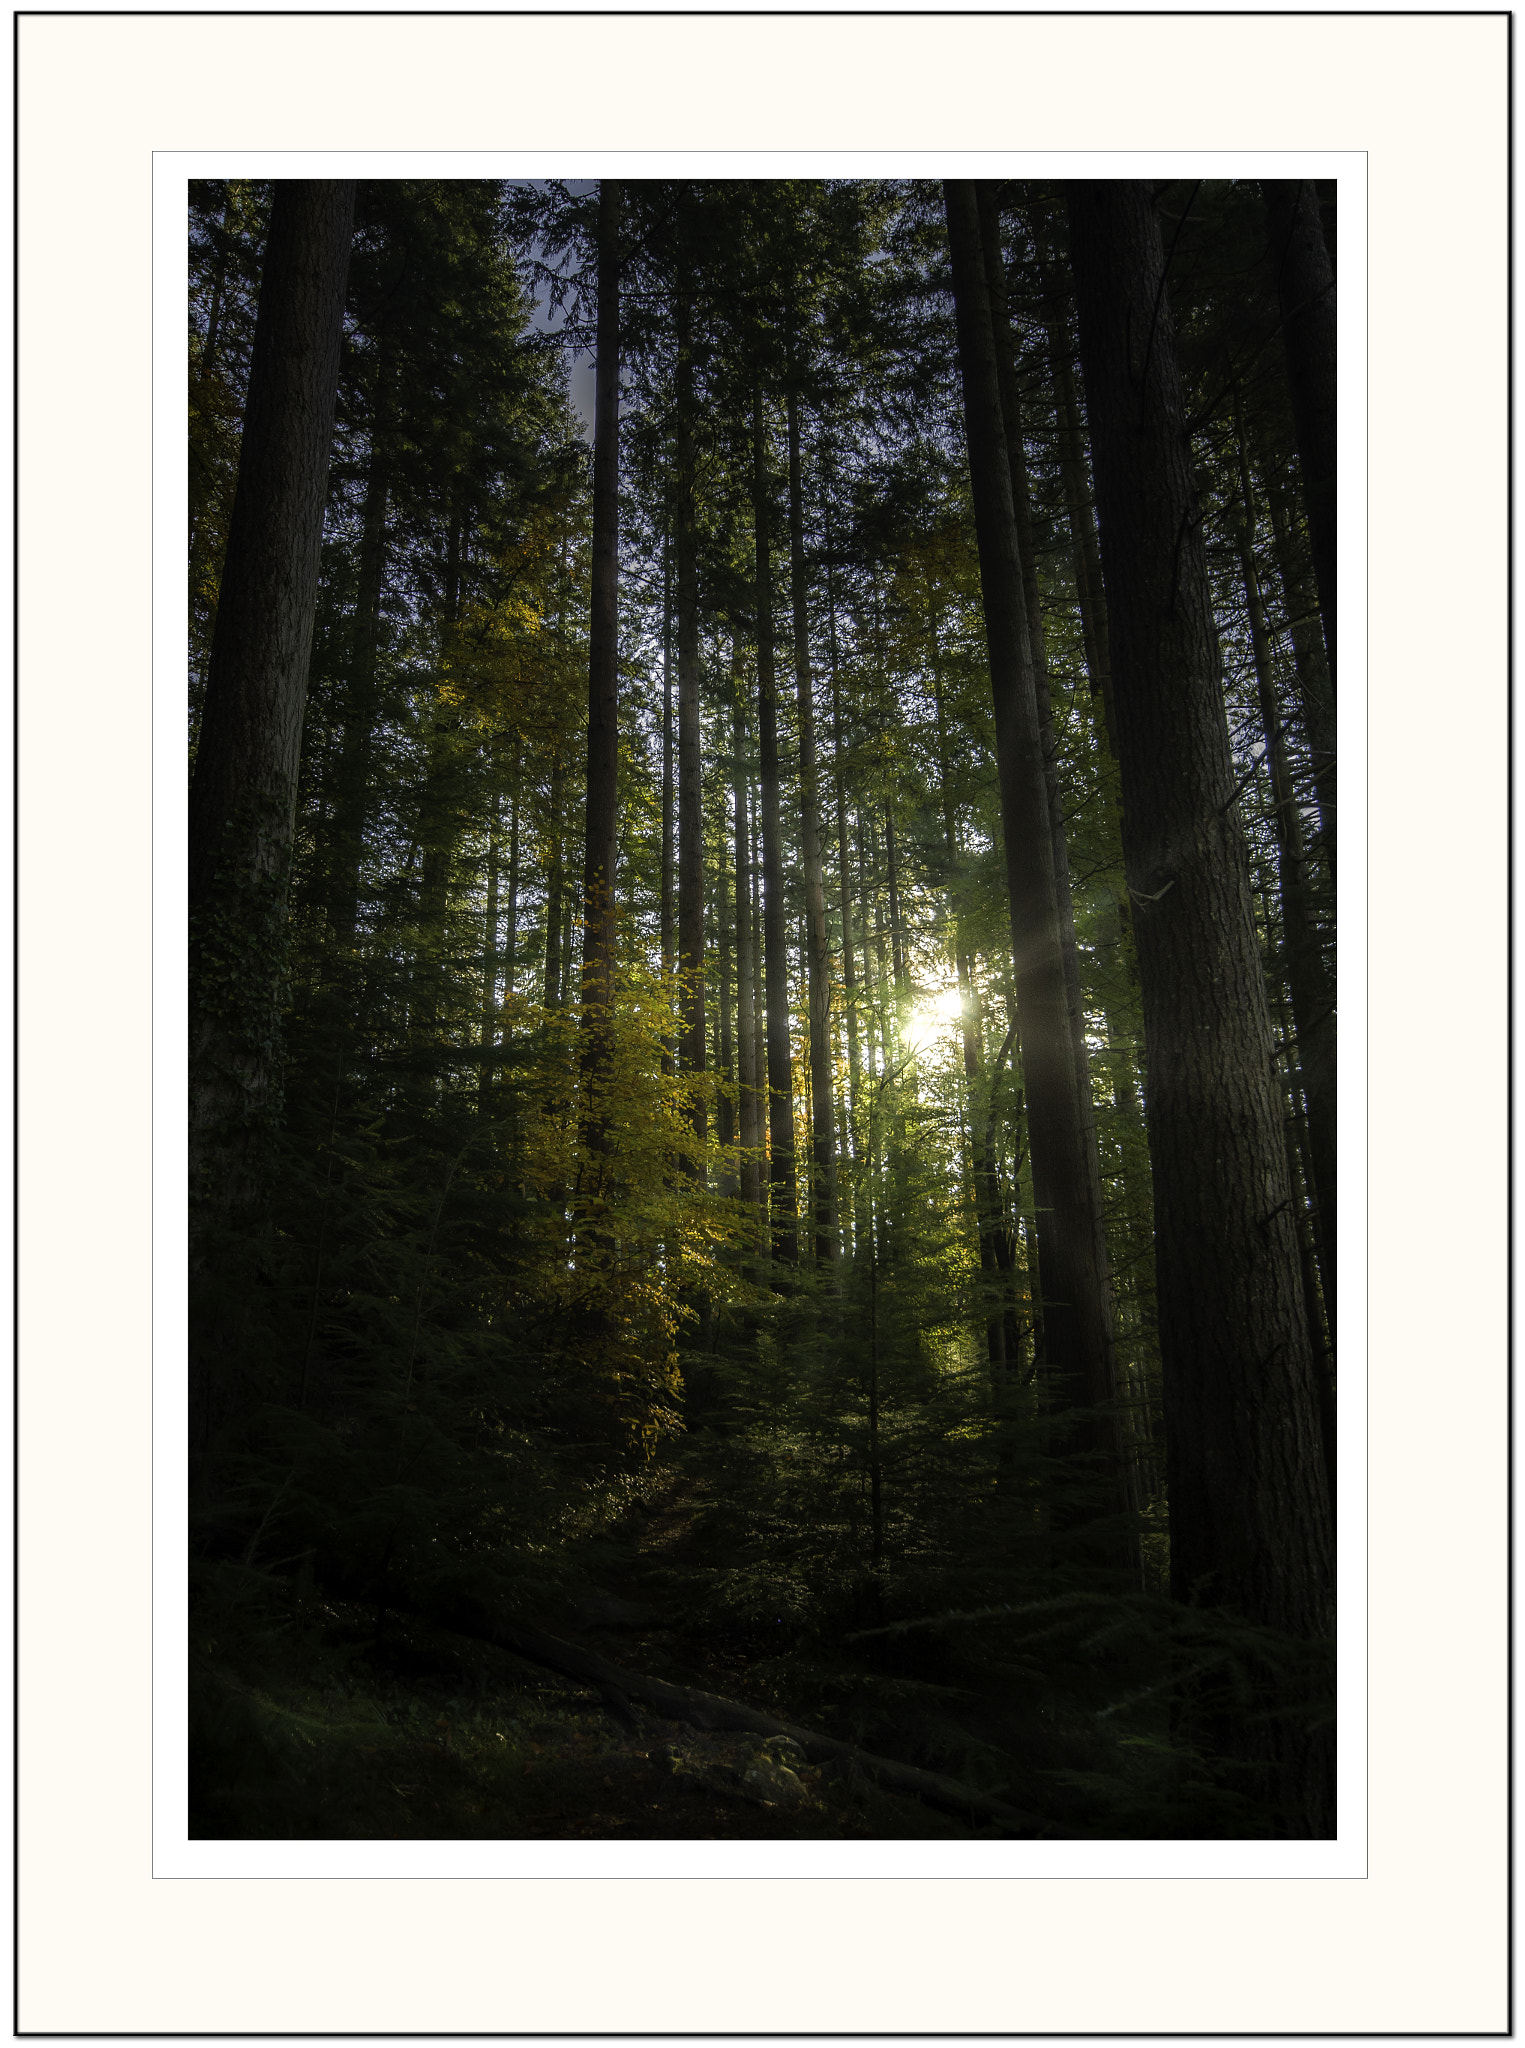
(762, 1074)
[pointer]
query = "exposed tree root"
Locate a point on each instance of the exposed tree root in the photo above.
(706, 1710)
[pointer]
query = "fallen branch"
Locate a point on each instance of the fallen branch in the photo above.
(707, 1710)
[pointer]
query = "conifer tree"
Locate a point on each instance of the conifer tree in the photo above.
(1249, 1508)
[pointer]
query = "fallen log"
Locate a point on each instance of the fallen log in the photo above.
(709, 1711)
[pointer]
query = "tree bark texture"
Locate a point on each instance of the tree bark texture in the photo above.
(243, 794)
(1249, 1508)
(1072, 1251)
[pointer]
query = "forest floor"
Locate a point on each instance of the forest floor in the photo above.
(319, 1727)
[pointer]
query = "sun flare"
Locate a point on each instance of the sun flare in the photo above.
(933, 1014)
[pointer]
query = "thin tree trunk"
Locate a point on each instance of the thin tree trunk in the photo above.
(746, 970)
(1071, 1244)
(845, 894)
(601, 850)
(553, 889)
(899, 951)
(490, 962)
(761, 1119)
(1315, 690)
(691, 1045)
(775, 942)
(1305, 289)
(1308, 981)
(361, 708)
(818, 938)
(511, 937)
(1249, 1506)
(669, 755)
(725, 1116)
(869, 881)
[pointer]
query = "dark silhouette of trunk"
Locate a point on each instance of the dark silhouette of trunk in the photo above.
(1309, 984)
(869, 879)
(511, 935)
(982, 1178)
(554, 888)
(490, 963)
(1249, 1505)
(669, 835)
(749, 1104)
(775, 940)
(818, 939)
(691, 1044)
(899, 951)
(759, 1014)
(1315, 690)
(601, 851)
(1071, 1246)
(243, 793)
(439, 823)
(1305, 291)
(1090, 598)
(1069, 953)
(725, 1108)
(362, 707)
(1085, 553)
(844, 878)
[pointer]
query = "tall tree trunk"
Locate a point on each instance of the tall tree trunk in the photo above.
(1090, 598)
(1071, 1245)
(439, 819)
(601, 850)
(511, 935)
(691, 1045)
(554, 886)
(352, 779)
(725, 1114)
(746, 966)
(1249, 1506)
(1085, 552)
(868, 874)
(775, 942)
(899, 951)
(1315, 689)
(669, 822)
(1308, 981)
(1305, 290)
(1069, 952)
(490, 962)
(243, 793)
(822, 1112)
(759, 1004)
(845, 894)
